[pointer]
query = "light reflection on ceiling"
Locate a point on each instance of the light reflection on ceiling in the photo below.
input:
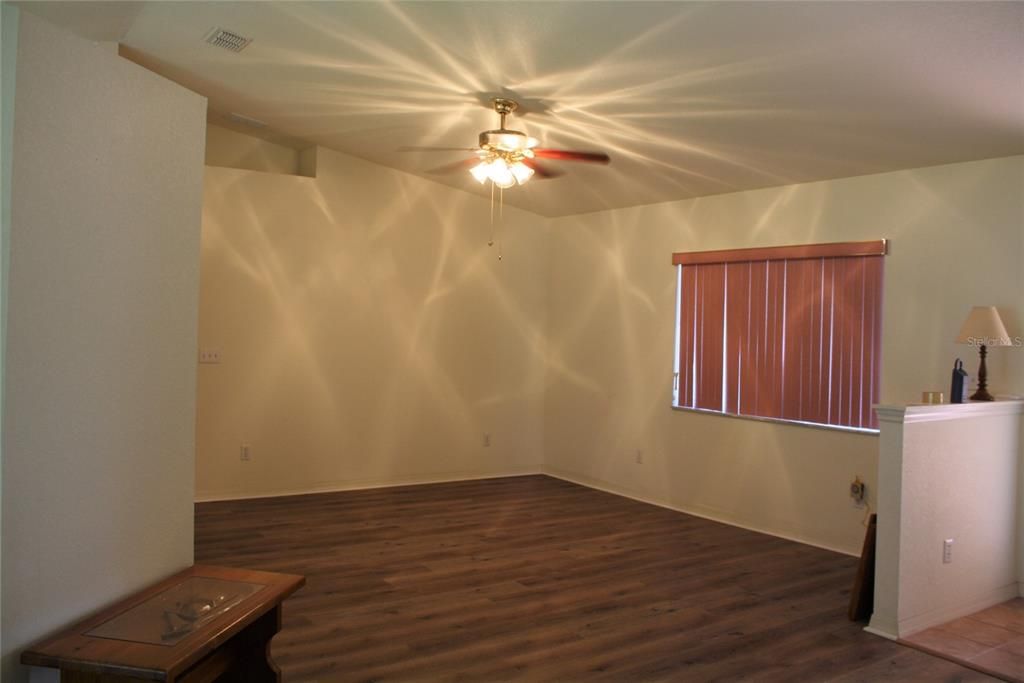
(689, 98)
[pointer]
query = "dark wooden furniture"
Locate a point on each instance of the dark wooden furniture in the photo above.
(202, 624)
(862, 597)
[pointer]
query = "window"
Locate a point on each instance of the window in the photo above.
(792, 333)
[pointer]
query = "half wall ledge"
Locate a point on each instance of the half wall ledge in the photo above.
(946, 473)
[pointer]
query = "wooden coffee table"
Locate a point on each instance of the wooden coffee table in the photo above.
(202, 624)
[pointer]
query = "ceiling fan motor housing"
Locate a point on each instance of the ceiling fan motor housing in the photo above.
(506, 140)
(511, 145)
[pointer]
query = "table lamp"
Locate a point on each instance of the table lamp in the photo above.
(982, 328)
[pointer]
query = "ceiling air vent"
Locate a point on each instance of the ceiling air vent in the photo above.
(227, 40)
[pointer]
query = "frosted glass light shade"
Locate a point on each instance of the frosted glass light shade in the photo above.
(521, 171)
(481, 171)
(501, 173)
(984, 327)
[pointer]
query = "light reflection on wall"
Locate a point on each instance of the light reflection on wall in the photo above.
(368, 333)
(610, 322)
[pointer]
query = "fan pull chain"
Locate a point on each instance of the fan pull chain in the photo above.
(490, 240)
(501, 215)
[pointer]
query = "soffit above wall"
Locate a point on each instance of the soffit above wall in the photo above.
(689, 98)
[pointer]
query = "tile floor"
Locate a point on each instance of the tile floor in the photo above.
(991, 640)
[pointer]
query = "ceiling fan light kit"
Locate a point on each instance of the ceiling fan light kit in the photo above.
(502, 152)
(500, 172)
(508, 157)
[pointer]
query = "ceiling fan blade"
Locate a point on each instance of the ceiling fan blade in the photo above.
(567, 155)
(437, 149)
(463, 165)
(542, 172)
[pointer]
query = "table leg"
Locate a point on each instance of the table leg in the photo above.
(255, 664)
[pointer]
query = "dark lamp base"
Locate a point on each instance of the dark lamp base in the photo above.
(982, 393)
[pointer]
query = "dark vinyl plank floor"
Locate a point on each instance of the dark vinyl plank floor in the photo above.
(537, 579)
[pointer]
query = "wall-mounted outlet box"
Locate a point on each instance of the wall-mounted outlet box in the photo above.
(244, 454)
(858, 491)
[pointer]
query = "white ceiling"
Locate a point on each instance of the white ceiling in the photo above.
(689, 98)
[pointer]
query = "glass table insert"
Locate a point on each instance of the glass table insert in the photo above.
(176, 612)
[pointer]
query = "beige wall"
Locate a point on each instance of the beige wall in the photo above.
(368, 334)
(225, 147)
(98, 437)
(957, 238)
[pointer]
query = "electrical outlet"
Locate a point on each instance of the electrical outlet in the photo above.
(858, 492)
(244, 454)
(947, 551)
(487, 440)
(639, 457)
(209, 356)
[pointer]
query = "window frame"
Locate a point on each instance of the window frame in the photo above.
(782, 254)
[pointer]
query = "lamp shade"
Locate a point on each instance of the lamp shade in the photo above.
(984, 327)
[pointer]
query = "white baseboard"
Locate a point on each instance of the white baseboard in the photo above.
(881, 632)
(911, 625)
(359, 484)
(609, 488)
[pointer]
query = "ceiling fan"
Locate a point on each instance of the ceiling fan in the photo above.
(507, 157)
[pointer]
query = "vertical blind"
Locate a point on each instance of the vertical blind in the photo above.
(782, 332)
